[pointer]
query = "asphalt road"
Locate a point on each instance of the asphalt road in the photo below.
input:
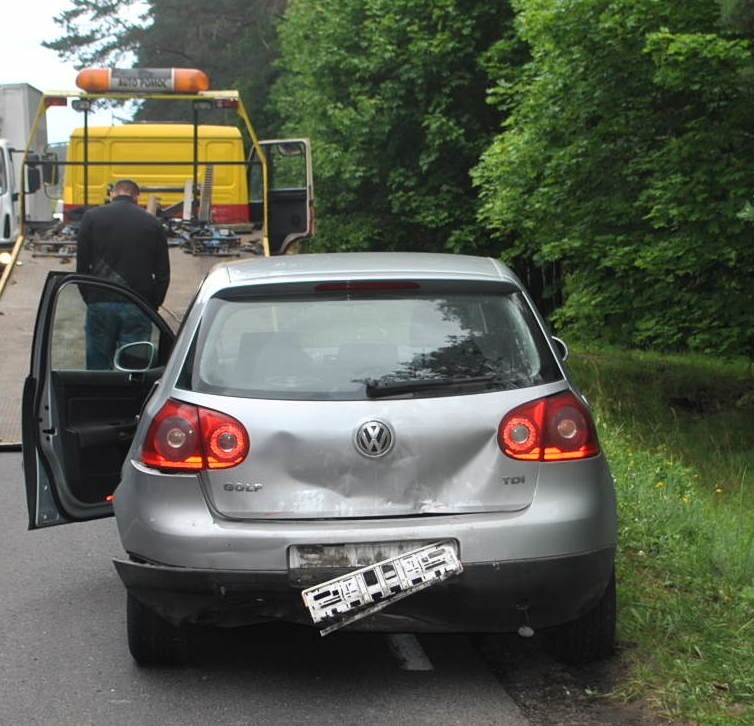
(64, 659)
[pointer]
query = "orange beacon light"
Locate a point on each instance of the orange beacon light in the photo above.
(142, 80)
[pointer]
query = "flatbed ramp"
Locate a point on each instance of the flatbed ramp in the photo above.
(18, 311)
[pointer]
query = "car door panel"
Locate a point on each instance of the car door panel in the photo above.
(78, 424)
(97, 421)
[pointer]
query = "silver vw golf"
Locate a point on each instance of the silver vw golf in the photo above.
(377, 441)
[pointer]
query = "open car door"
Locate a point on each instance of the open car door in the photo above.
(290, 192)
(79, 409)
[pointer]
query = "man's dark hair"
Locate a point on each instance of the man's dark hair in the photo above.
(126, 186)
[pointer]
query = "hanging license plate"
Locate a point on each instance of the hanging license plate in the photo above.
(353, 596)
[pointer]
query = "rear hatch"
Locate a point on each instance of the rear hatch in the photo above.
(375, 399)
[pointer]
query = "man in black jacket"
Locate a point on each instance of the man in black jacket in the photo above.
(122, 243)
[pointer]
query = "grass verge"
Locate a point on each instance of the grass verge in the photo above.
(679, 433)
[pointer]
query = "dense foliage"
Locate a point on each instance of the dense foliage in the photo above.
(393, 92)
(602, 147)
(628, 159)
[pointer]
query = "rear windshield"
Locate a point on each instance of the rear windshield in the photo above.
(355, 347)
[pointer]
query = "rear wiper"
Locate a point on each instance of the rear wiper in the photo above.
(380, 389)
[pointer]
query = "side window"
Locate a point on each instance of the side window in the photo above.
(288, 162)
(286, 167)
(256, 190)
(92, 324)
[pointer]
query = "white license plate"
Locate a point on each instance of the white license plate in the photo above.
(353, 596)
(352, 555)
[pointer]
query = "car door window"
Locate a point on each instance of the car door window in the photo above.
(92, 323)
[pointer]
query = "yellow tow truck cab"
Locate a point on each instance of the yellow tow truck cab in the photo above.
(159, 157)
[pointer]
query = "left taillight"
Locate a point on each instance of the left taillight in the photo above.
(554, 428)
(185, 437)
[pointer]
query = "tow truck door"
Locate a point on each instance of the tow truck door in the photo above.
(78, 422)
(290, 191)
(8, 212)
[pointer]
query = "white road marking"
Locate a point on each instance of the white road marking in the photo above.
(411, 656)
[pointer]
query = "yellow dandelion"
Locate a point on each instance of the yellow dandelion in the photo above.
(685, 500)
(719, 490)
(660, 484)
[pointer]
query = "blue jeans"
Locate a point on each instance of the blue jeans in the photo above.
(110, 325)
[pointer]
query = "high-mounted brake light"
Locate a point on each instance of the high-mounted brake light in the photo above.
(184, 437)
(226, 103)
(142, 80)
(554, 428)
(368, 285)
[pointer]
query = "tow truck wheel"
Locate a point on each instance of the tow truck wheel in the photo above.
(151, 639)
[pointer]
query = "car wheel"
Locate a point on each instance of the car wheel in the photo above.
(590, 637)
(153, 640)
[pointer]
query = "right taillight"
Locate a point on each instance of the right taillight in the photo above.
(184, 437)
(554, 428)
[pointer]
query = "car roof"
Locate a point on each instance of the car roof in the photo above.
(356, 265)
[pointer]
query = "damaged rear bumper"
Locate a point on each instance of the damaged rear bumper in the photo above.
(485, 597)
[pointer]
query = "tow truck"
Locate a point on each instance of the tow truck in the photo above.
(279, 202)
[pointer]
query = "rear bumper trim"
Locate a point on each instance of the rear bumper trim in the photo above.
(486, 597)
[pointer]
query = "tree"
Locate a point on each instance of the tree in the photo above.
(392, 94)
(99, 32)
(627, 159)
(233, 41)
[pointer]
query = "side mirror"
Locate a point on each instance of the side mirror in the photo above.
(135, 357)
(50, 168)
(560, 347)
(33, 179)
(291, 149)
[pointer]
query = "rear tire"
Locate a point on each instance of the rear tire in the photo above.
(590, 637)
(153, 640)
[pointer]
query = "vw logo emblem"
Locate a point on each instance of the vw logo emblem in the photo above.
(373, 439)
